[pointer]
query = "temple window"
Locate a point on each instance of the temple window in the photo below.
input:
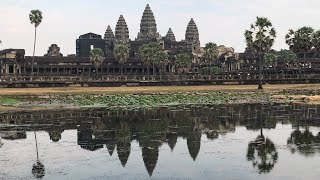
(10, 69)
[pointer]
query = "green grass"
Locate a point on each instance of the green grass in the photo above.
(6, 101)
(156, 100)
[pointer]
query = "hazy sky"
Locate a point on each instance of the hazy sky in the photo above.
(219, 21)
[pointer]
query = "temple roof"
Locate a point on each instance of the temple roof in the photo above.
(192, 33)
(108, 35)
(170, 35)
(148, 26)
(122, 31)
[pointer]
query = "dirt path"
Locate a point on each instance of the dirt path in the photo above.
(147, 89)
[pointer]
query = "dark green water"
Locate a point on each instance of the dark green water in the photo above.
(218, 142)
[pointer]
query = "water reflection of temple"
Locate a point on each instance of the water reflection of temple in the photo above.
(115, 130)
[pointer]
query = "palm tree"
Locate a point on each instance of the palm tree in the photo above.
(211, 52)
(300, 41)
(96, 57)
(270, 59)
(183, 62)
(161, 60)
(145, 56)
(148, 54)
(121, 53)
(260, 38)
(35, 17)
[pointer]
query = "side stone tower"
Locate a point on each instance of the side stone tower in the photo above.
(110, 40)
(108, 35)
(122, 31)
(170, 35)
(192, 34)
(148, 26)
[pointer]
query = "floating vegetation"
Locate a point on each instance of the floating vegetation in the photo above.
(148, 101)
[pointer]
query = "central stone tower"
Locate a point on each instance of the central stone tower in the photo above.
(148, 26)
(192, 34)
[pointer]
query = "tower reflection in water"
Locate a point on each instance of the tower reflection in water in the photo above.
(115, 130)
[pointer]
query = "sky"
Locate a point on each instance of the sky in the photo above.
(220, 21)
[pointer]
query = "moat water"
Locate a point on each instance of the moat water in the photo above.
(212, 142)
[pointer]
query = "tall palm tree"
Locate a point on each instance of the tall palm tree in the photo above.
(161, 60)
(183, 62)
(259, 39)
(145, 54)
(96, 57)
(121, 53)
(211, 52)
(300, 41)
(148, 54)
(35, 17)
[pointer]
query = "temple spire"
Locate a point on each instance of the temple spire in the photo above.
(148, 26)
(122, 31)
(170, 35)
(192, 33)
(108, 35)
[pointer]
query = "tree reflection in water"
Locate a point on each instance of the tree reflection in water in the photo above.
(116, 130)
(262, 152)
(38, 169)
(304, 142)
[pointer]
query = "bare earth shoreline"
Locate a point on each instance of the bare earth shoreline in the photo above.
(33, 99)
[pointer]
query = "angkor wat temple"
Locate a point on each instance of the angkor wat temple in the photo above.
(53, 67)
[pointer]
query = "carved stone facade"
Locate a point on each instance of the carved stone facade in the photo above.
(110, 41)
(122, 31)
(54, 50)
(148, 26)
(192, 34)
(170, 35)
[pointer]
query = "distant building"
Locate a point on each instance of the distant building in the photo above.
(87, 42)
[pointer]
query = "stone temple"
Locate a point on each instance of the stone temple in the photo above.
(76, 68)
(148, 33)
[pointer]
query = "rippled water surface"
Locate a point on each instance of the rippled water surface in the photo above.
(216, 142)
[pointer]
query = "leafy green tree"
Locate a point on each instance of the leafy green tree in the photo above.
(210, 70)
(96, 57)
(270, 59)
(148, 54)
(35, 17)
(145, 56)
(287, 56)
(316, 41)
(121, 53)
(183, 62)
(211, 52)
(161, 60)
(259, 39)
(300, 41)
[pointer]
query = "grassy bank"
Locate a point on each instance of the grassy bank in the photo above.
(169, 99)
(144, 97)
